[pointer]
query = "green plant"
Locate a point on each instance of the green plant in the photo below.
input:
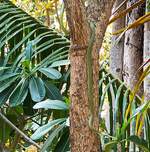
(125, 111)
(30, 56)
(31, 49)
(29, 60)
(57, 129)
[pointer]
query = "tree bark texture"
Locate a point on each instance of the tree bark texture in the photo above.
(117, 49)
(133, 48)
(82, 138)
(147, 53)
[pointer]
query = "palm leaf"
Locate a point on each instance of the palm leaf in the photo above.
(27, 28)
(29, 49)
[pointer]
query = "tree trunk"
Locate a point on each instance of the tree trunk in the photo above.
(133, 48)
(133, 53)
(147, 53)
(82, 138)
(117, 50)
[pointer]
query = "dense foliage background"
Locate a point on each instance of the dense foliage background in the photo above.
(35, 81)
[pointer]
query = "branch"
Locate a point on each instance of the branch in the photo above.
(19, 131)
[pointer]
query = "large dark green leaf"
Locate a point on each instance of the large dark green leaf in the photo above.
(37, 89)
(19, 94)
(52, 91)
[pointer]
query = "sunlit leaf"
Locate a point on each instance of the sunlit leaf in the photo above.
(51, 73)
(51, 104)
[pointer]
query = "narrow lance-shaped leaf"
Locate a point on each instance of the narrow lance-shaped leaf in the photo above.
(41, 131)
(29, 50)
(52, 136)
(7, 83)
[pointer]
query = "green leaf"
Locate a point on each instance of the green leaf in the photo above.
(29, 50)
(4, 95)
(4, 76)
(19, 94)
(116, 106)
(41, 131)
(51, 73)
(105, 91)
(140, 109)
(125, 101)
(52, 136)
(37, 89)
(51, 104)
(52, 91)
(64, 142)
(25, 64)
(7, 83)
(60, 63)
(17, 27)
(139, 142)
(4, 68)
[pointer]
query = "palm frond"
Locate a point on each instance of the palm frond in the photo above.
(27, 47)
(17, 28)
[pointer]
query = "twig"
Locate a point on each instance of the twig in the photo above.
(19, 131)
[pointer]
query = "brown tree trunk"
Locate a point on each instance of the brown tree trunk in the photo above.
(147, 53)
(117, 50)
(82, 138)
(133, 48)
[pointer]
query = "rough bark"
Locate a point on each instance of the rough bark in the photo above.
(133, 48)
(147, 53)
(82, 138)
(117, 50)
